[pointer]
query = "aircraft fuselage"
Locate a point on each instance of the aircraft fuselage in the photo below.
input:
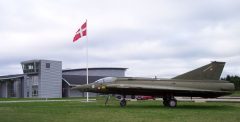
(157, 87)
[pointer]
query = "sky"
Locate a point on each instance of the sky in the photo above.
(160, 38)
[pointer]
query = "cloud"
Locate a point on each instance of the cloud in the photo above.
(150, 37)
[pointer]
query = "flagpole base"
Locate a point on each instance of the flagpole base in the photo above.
(88, 101)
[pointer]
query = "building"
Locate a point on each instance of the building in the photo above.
(12, 86)
(46, 79)
(72, 77)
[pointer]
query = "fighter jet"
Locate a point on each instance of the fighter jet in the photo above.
(202, 82)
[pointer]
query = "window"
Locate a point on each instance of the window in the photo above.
(30, 66)
(34, 80)
(34, 91)
(47, 65)
(106, 80)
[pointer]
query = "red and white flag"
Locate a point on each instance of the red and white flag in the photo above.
(81, 32)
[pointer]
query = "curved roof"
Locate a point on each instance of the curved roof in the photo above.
(97, 68)
(79, 79)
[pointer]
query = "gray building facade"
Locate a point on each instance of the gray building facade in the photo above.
(101, 71)
(12, 86)
(46, 79)
(43, 78)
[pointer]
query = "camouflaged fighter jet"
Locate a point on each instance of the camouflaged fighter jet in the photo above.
(201, 82)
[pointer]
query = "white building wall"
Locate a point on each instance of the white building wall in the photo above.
(0, 89)
(50, 80)
(4, 89)
(16, 88)
(26, 87)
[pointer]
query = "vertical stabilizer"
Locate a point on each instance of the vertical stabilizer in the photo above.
(210, 71)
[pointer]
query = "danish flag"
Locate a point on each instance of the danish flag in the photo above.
(81, 32)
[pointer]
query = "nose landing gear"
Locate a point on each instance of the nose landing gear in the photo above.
(123, 102)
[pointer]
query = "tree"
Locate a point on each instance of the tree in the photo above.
(233, 79)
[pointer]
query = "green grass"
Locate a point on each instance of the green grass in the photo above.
(138, 111)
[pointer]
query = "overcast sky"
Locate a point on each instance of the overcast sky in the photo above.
(150, 37)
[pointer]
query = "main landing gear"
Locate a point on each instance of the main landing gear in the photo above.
(123, 101)
(169, 101)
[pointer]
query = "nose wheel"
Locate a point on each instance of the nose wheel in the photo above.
(123, 102)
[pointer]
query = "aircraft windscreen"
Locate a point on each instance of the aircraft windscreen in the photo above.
(106, 80)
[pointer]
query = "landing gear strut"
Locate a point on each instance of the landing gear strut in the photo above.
(107, 98)
(169, 101)
(123, 102)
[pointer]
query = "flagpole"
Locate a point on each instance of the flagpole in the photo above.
(87, 59)
(80, 33)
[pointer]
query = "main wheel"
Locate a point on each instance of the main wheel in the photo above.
(123, 103)
(172, 103)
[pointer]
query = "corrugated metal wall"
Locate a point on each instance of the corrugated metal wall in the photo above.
(3, 89)
(50, 80)
(98, 72)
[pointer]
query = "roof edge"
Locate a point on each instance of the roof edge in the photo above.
(96, 68)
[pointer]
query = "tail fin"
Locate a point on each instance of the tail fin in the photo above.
(210, 71)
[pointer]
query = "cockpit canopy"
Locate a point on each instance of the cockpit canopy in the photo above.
(106, 80)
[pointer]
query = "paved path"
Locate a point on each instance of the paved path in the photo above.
(198, 99)
(220, 99)
(195, 99)
(25, 101)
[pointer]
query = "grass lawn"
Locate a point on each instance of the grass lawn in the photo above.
(138, 111)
